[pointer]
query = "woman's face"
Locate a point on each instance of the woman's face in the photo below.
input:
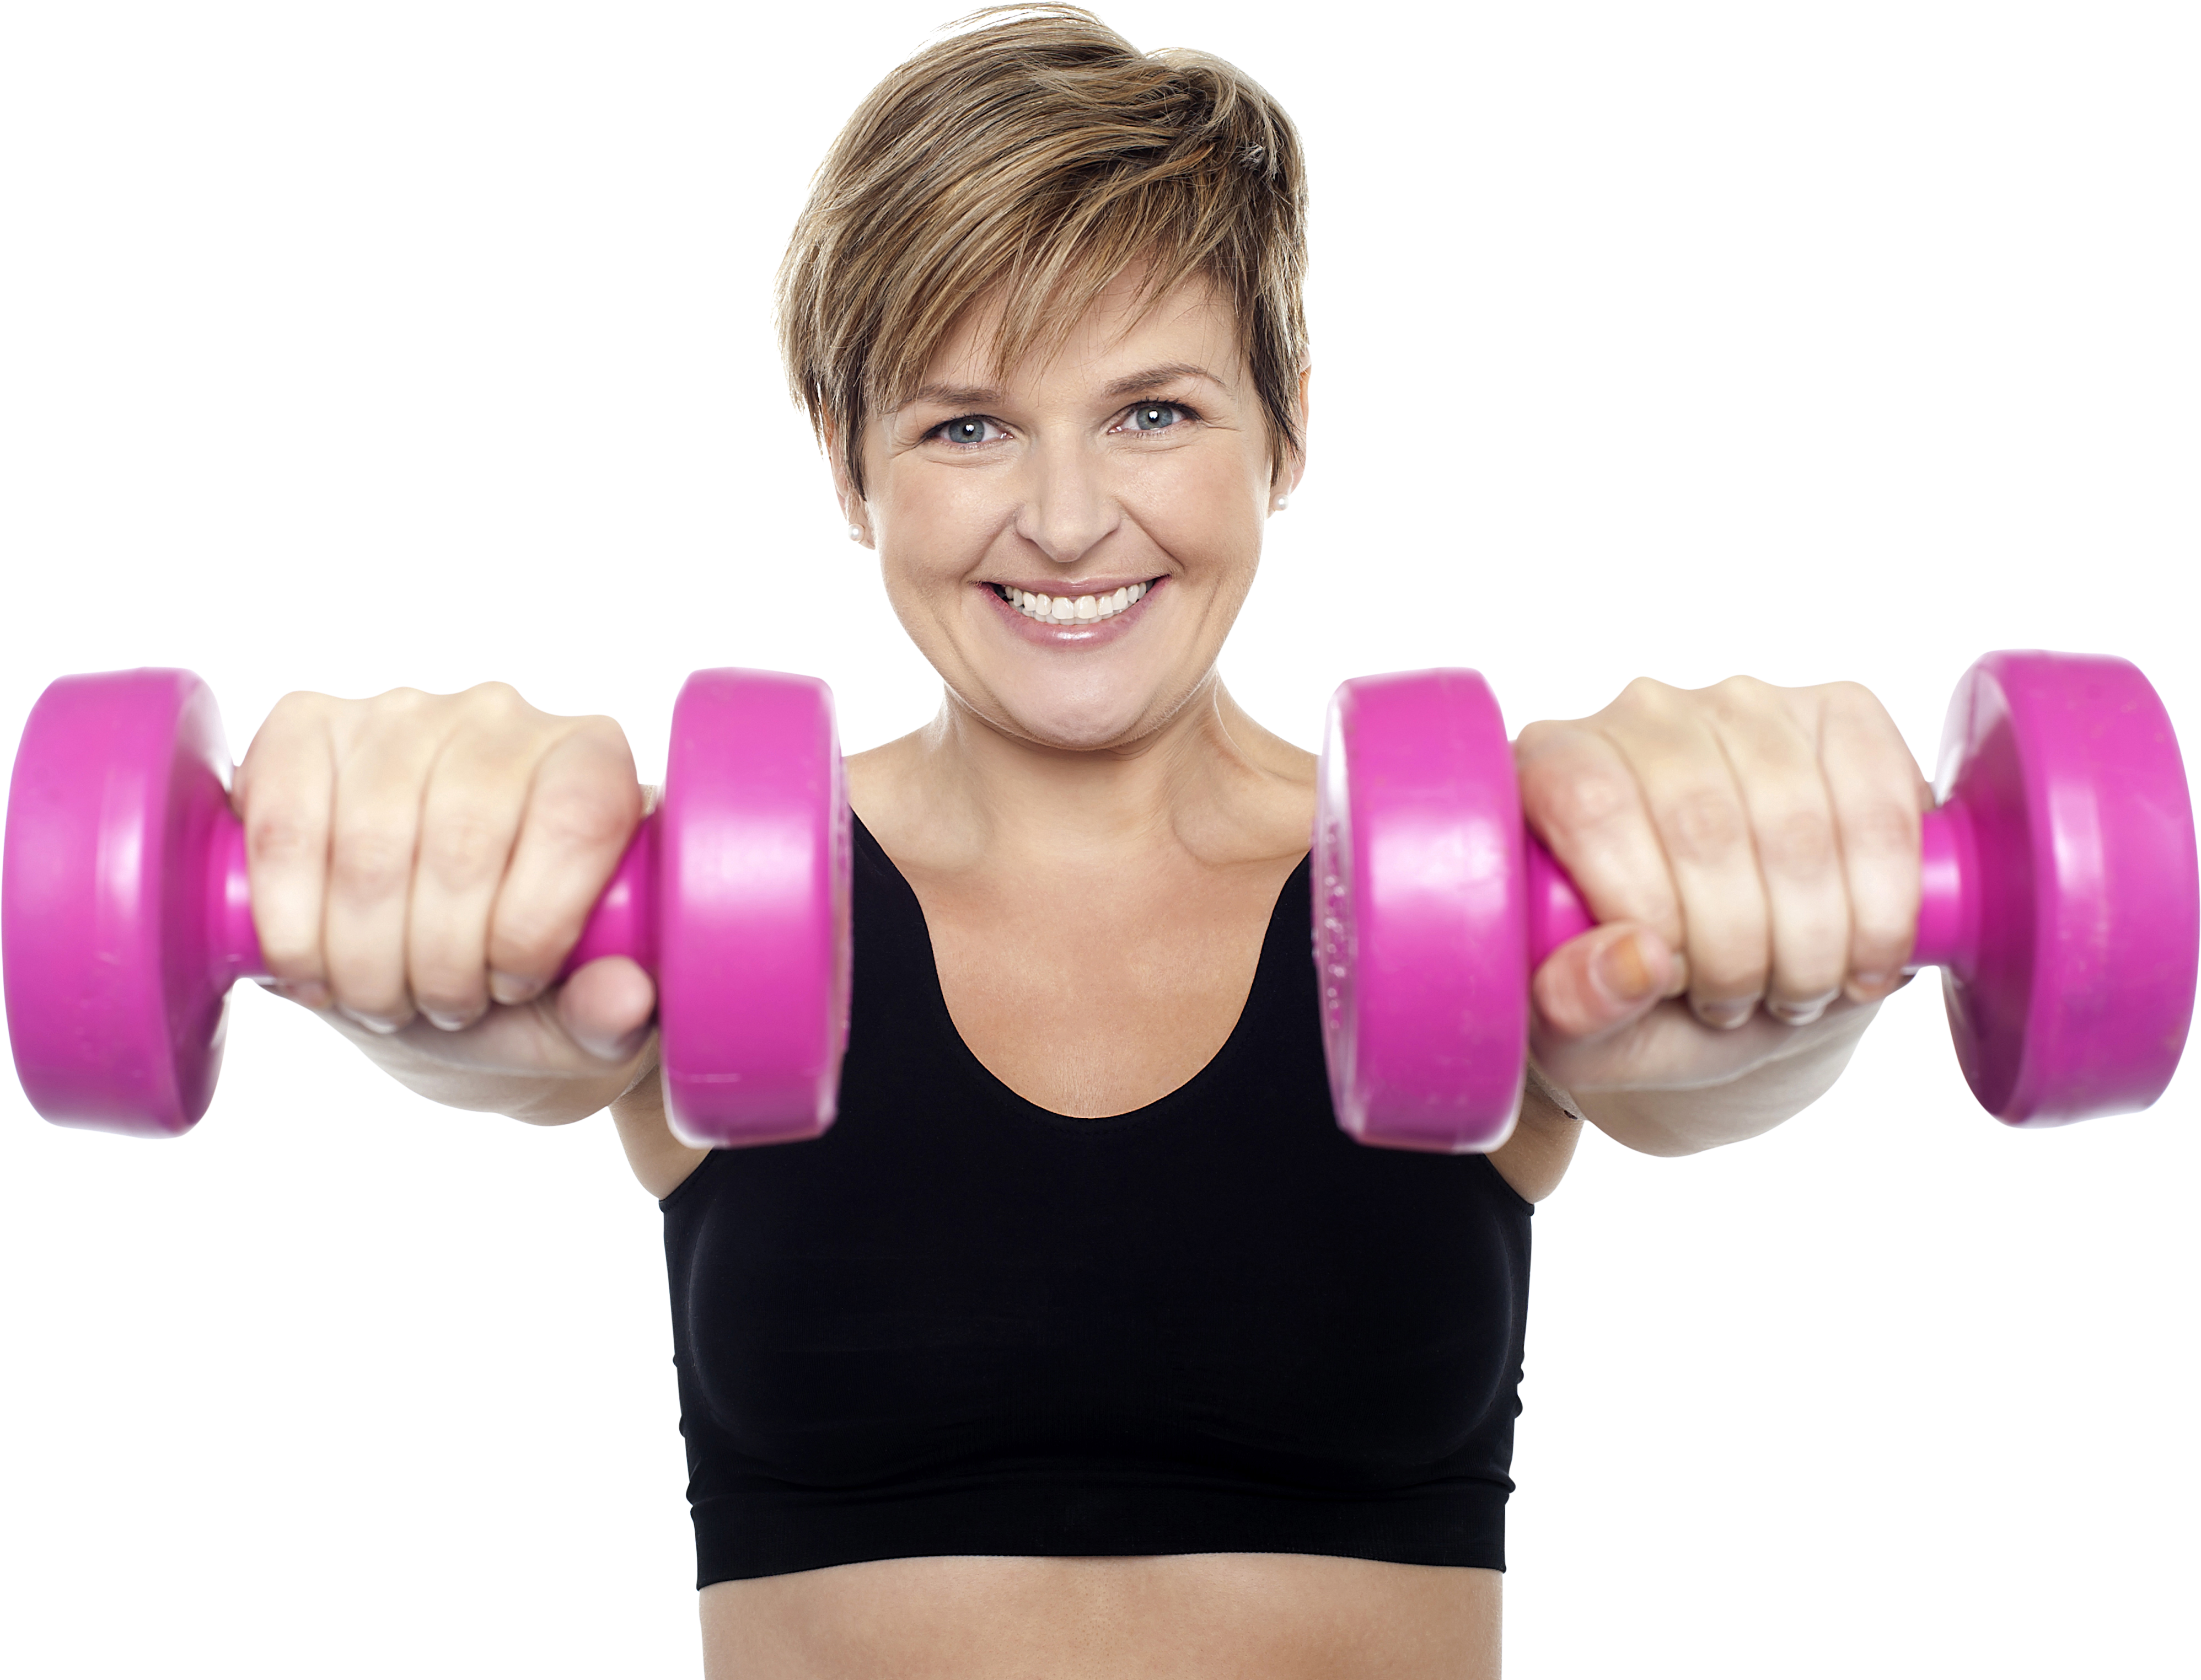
(1017, 513)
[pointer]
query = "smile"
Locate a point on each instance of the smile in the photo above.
(1070, 608)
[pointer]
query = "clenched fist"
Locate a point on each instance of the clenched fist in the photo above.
(1752, 853)
(421, 864)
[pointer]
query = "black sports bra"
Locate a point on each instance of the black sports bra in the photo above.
(958, 1323)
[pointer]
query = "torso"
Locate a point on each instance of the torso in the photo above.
(1224, 1616)
(1087, 1037)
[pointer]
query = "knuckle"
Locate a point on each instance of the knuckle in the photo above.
(371, 862)
(1879, 929)
(526, 939)
(1731, 982)
(1733, 699)
(1585, 802)
(1740, 687)
(588, 817)
(1703, 826)
(448, 985)
(1883, 827)
(301, 707)
(280, 836)
(464, 848)
(1647, 697)
(498, 702)
(605, 734)
(1853, 699)
(1880, 955)
(399, 703)
(1811, 966)
(1797, 843)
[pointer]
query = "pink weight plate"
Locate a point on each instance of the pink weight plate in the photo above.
(2076, 995)
(119, 947)
(1421, 913)
(753, 882)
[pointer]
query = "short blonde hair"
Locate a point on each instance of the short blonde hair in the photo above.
(1038, 153)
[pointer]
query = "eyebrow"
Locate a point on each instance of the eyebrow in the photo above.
(989, 397)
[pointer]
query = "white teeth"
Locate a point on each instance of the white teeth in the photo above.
(1073, 609)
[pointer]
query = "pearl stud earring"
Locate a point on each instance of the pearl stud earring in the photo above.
(855, 533)
(1282, 502)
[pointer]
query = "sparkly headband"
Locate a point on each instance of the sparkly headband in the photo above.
(971, 24)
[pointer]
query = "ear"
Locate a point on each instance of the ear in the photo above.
(853, 511)
(1294, 468)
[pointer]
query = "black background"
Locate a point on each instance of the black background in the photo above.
(426, 355)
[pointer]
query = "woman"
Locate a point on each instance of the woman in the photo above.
(1084, 1341)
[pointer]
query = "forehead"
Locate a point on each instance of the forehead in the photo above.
(1191, 323)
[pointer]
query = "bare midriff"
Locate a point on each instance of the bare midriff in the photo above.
(1214, 1616)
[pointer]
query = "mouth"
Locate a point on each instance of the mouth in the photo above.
(1073, 609)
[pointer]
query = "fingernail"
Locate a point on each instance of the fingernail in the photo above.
(512, 988)
(381, 1023)
(1871, 988)
(1801, 1012)
(1680, 981)
(1620, 970)
(447, 1021)
(1724, 1013)
(311, 994)
(615, 1050)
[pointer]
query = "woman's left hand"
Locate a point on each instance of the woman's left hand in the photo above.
(1751, 855)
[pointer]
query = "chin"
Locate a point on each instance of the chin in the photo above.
(1081, 723)
(1080, 732)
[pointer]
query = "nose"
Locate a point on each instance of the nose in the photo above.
(1068, 509)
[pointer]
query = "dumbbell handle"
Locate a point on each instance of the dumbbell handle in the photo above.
(1948, 902)
(623, 922)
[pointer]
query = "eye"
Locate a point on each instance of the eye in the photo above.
(1156, 416)
(967, 429)
(1145, 419)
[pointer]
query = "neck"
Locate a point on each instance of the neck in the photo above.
(1210, 783)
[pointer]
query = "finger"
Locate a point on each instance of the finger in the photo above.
(1775, 761)
(1600, 981)
(284, 791)
(581, 808)
(1704, 827)
(380, 774)
(1580, 796)
(528, 1042)
(1877, 794)
(1666, 1048)
(605, 1007)
(470, 818)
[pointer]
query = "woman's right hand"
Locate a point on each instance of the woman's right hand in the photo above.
(421, 864)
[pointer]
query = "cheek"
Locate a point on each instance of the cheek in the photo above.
(1206, 515)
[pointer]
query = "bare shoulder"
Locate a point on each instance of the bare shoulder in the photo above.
(661, 1160)
(1535, 1157)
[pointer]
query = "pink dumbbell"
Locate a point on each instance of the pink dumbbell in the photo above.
(2059, 877)
(126, 918)
(2059, 898)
